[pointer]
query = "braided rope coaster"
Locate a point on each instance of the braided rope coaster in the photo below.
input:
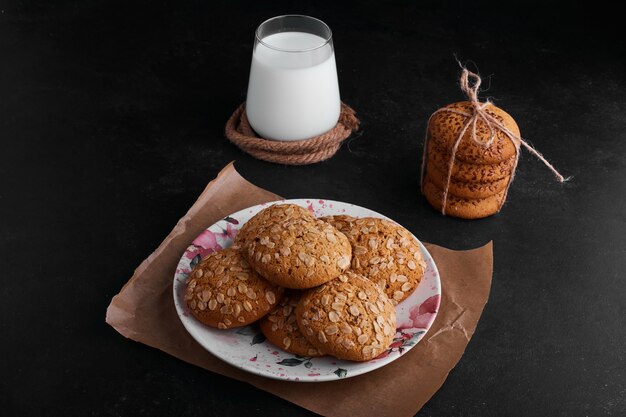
(299, 152)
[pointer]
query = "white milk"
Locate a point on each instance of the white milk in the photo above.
(293, 95)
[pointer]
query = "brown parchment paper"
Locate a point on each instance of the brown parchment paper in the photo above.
(144, 311)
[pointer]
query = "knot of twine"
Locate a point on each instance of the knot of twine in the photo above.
(470, 85)
(298, 152)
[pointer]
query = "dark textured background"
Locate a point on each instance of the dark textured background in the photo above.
(111, 121)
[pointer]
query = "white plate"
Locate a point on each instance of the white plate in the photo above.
(246, 348)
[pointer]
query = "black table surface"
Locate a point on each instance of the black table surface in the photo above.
(111, 124)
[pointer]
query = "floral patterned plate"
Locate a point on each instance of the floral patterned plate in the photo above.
(246, 347)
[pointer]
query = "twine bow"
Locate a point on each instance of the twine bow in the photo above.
(470, 85)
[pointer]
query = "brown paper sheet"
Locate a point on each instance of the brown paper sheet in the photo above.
(144, 311)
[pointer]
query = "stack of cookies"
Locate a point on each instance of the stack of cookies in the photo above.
(480, 175)
(316, 286)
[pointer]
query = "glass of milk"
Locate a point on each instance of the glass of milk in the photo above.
(293, 93)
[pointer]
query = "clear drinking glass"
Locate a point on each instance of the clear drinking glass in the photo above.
(293, 92)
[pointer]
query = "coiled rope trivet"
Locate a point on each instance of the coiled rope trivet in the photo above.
(299, 152)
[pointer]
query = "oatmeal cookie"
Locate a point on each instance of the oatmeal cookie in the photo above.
(465, 208)
(224, 292)
(280, 327)
(384, 252)
(296, 250)
(444, 129)
(348, 317)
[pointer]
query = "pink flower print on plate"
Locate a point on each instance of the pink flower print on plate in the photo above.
(421, 316)
(208, 241)
(228, 233)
